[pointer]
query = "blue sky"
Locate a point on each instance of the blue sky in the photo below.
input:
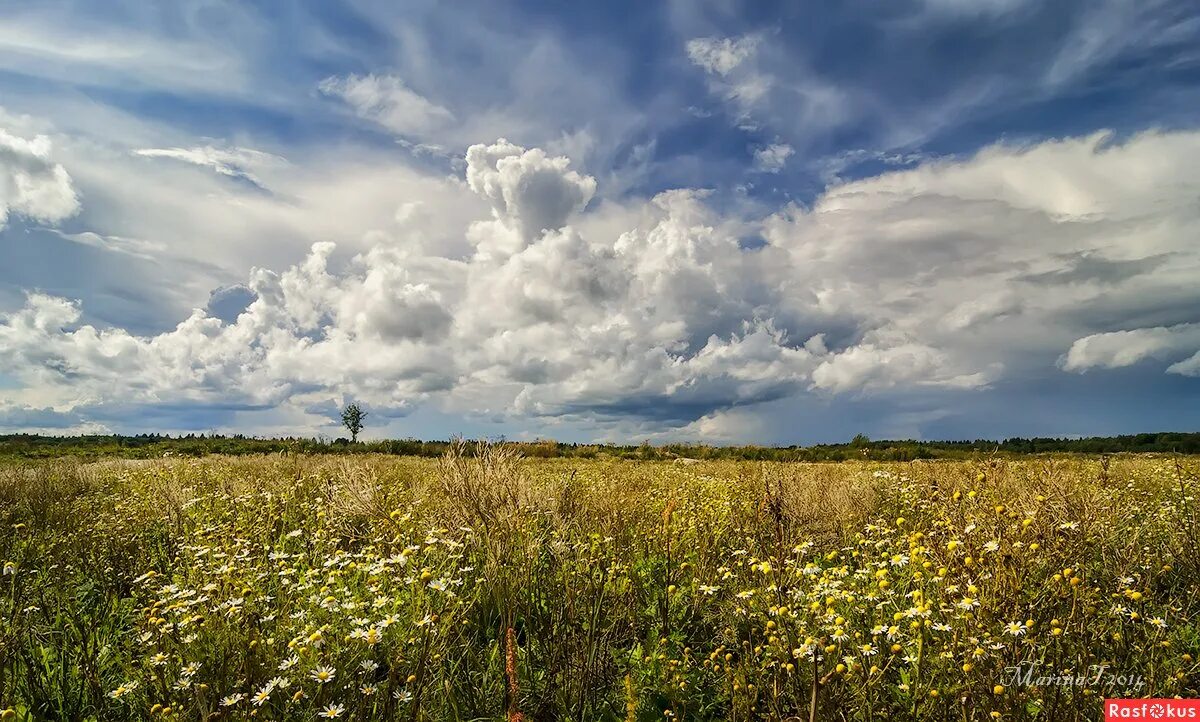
(717, 221)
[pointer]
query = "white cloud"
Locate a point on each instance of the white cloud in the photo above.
(31, 184)
(191, 229)
(1187, 367)
(721, 55)
(232, 162)
(1069, 179)
(1117, 349)
(1114, 29)
(953, 275)
(963, 270)
(62, 44)
(527, 189)
(868, 366)
(386, 100)
(130, 246)
(772, 158)
(766, 87)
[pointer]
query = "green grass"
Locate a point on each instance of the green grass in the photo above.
(485, 586)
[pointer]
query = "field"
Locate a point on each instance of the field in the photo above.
(485, 586)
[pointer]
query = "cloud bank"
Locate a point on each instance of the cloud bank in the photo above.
(1056, 257)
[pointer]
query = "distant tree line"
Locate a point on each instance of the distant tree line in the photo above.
(157, 445)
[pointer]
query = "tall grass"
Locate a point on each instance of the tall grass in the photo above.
(485, 586)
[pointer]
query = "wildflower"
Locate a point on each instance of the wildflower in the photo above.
(232, 699)
(332, 711)
(321, 675)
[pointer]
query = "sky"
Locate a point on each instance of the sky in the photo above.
(715, 221)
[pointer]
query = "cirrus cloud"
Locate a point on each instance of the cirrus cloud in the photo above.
(388, 101)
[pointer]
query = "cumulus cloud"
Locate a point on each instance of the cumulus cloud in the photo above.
(388, 101)
(31, 184)
(951, 275)
(970, 269)
(228, 302)
(305, 330)
(528, 190)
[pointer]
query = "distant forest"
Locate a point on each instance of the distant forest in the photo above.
(147, 446)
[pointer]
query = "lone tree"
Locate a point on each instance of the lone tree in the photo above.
(352, 419)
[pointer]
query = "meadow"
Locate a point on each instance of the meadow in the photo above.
(483, 585)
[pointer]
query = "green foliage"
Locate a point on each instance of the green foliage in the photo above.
(149, 446)
(352, 419)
